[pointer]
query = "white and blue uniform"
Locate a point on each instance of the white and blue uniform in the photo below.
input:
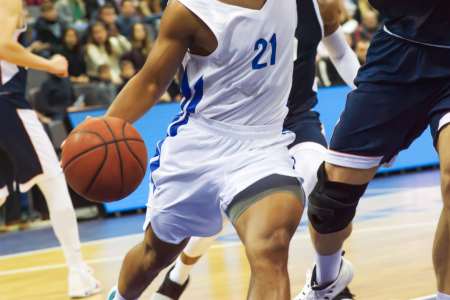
(229, 133)
(26, 152)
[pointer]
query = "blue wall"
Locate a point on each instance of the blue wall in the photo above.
(331, 102)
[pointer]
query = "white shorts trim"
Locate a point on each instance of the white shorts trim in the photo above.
(444, 121)
(43, 147)
(352, 161)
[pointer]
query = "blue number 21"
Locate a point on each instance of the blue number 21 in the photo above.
(261, 47)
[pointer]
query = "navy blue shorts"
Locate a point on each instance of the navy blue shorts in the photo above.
(26, 152)
(400, 91)
(307, 128)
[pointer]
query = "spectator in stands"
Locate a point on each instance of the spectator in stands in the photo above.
(73, 51)
(93, 7)
(141, 44)
(150, 7)
(106, 90)
(108, 16)
(34, 2)
(127, 72)
(368, 27)
(361, 50)
(127, 18)
(103, 49)
(49, 29)
(72, 12)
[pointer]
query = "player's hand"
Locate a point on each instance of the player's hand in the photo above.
(59, 66)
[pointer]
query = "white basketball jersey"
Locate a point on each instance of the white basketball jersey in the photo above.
(247, 79)
(8, 70)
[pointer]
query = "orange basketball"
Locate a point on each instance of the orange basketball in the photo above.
(104, 159)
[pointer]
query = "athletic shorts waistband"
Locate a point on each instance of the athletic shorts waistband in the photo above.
(237, 131)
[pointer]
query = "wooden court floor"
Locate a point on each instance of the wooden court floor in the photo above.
(390, 250)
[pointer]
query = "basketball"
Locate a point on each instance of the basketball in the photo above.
(104, 159)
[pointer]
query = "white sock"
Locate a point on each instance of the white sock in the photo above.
(442, 296)
(327, 267)
(63, 219)
(195, 248)
(118, 296)
(180, 273)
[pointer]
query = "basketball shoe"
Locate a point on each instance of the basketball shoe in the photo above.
(82, 283)
(313, 291)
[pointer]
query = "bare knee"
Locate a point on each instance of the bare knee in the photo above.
(269, 253)
(445, 186)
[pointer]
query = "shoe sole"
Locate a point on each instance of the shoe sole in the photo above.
(95, 291)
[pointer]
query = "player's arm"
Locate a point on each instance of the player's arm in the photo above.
(177, 32)
(11, 51)
(341, 54)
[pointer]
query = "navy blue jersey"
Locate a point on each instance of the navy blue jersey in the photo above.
(13, 81)
(423, 21)
(309, 33)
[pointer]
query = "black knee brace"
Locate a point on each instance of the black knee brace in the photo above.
(332, 205)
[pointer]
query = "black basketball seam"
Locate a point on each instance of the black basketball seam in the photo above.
(96, 147)
(119, 154)
(131, 151)
(105, 156)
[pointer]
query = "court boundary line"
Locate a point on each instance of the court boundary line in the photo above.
(300, 236)
(429, 297)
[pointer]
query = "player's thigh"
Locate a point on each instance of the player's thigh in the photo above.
(267, 226)
(379, 120)
(440, 130)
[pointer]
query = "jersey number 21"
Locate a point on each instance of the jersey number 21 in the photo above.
(261, 47)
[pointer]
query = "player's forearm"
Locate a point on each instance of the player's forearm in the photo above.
(135, 99)
(15, 53)
(342, 56)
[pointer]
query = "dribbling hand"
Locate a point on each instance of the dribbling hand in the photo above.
(59, 66)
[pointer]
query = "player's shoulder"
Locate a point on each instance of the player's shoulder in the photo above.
(179, 20)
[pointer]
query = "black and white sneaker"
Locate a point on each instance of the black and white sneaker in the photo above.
(345, 295)
(170, 290)
(312, 291)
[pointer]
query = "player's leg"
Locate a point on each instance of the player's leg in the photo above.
(177, 278)
(143, 263)
(351, 163)
(62, 215)
(179, 207)
(441, 246)
(266, 215)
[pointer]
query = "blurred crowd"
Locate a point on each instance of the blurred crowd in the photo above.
(106, 42)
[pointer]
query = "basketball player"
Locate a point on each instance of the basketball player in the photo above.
(27, 156)
(309, 147)
(225, 151)
(403, 87)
